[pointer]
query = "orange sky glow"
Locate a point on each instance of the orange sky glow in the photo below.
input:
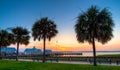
(69, 43)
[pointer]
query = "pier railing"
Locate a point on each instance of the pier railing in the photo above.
(100, 59)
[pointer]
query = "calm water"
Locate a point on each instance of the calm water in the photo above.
(99, 53)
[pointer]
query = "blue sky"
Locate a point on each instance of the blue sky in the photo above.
(64, 12)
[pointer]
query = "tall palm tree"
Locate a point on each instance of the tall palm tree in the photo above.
(21, 36)
(5, 39)
(44, 29)
(92, 25)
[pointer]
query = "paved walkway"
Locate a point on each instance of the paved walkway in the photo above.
(72, 62)
(80, 62)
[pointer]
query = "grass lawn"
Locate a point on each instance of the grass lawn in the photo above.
(22, 65)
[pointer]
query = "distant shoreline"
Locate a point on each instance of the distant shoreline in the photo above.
(100, 51)
(86, 51)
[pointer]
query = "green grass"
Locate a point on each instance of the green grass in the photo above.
(22, 65)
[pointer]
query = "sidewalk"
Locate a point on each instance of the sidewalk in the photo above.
(81, 62)
(72, 62)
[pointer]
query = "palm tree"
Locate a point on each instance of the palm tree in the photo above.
(94, 25)
(21, 36)
(44, 29)
(5, 39)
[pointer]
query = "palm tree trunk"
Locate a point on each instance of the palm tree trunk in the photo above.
(94, 52)
(0, 52)
(44, 49)
(0, 46)
(17, 51)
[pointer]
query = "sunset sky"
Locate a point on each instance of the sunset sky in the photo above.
(63, 12)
